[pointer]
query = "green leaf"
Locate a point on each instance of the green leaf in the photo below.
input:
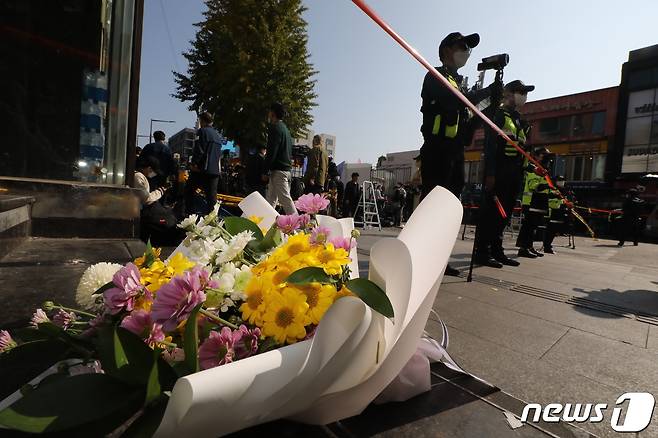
(192, 341)
(236, 225)
(310, 275)
(147, 423)
(103, 288)
(69, 403)
(153, 388)
(372, 295)
(149, 255)
(269, 241)
(125, 356)
(26, 361)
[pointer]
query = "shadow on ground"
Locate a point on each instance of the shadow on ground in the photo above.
(633, 301)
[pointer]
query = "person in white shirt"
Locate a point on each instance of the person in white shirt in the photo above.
(147, 168)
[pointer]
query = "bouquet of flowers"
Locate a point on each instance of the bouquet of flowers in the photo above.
(233, 291)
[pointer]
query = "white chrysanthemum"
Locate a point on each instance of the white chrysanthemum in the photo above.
(235, 247)
(94, 278)
(189, 222)
(242, 279)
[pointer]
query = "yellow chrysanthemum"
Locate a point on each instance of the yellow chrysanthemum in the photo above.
(330, 259)
(284, 316)
(281, 274)
(143, 303)
(297, 244)
(256, 291)
(139, 261)
(319, 298)
(179, 264)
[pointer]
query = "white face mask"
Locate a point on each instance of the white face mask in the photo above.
(520, 99)
(460, 57)
(560, 183)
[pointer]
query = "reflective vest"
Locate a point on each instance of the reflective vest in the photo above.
(450, 130)
(515, 133)
(532, 180)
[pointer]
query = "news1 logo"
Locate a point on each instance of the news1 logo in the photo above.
(638, 412)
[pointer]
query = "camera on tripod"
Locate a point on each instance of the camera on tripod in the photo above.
(494, 62)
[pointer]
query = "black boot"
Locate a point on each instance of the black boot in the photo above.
(452, 272)
(549, 250)
(525, 252)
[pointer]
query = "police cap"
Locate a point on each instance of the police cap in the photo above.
(518, 86)
(471, 40)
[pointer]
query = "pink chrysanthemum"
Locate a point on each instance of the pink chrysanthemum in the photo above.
(39, 317)
(217, 349)
(311, 204)
(245, 342)
(319, 235)
(304, 221)
(6, 341)
(288, 224)
(128, 286)
(343, 242)
(139, 322)
(64, 319)
(176, 299)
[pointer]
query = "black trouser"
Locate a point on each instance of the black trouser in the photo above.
(630, 228)
(206, 182)
(531, 221)
(491, 223)
(442, 165)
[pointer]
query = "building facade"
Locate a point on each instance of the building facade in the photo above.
(69, 81)
(182, 143)
(637, 133)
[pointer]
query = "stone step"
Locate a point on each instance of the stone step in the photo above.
(15, 221)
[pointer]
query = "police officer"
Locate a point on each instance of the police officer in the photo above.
(534, 203)
(447, 125)
(632, 208)
(504, 172)
(556, 220)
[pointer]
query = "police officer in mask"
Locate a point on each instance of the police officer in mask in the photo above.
(447, 124)
(504, 172)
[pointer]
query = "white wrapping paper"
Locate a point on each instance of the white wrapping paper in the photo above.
(353, 356)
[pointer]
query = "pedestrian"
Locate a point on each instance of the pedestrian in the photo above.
(205, 165)
(534, 204)
(351, 196)
(161, 152)
(631, 209)
(278, 160)
(316, 167)
(399, 200)
(256, 171)
(504, 172)
(447, 126)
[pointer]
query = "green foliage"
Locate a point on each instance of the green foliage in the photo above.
(236, 225)
(372, 295)
(72, 402)
(192, 341)
(248, 54)
(310, 275)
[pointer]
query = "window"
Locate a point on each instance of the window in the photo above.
(638, 131)
(329, 142)
(598, 123)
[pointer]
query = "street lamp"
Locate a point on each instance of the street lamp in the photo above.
(151, 128)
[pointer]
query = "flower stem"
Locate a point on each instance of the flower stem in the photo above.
(81, 312)
(217, 319)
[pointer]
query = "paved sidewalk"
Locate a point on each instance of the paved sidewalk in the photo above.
(580, 326)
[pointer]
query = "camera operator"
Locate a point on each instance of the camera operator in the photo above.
(447, 126)
(504, 171)
(157, 222)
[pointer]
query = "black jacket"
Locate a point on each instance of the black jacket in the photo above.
(255, 171)
(206, 154)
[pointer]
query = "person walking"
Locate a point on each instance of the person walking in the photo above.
(351, 196)
(316, 167)
(631, 227)
(278, 160)
(205, 165)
